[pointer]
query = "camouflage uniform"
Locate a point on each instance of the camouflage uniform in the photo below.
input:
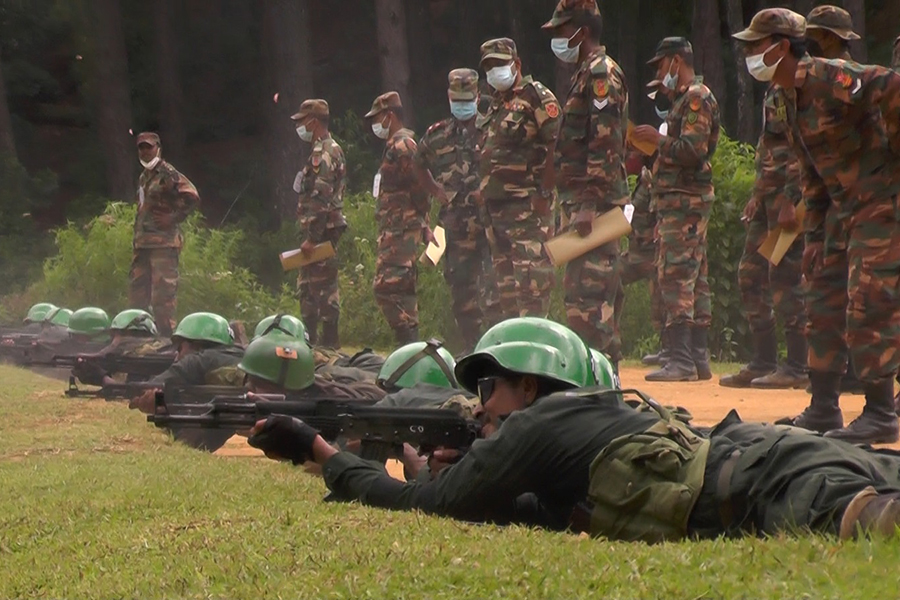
(836, 21)
(163, 193)
(448, 151)
(401, 212)
(518, 128)
(322, 184)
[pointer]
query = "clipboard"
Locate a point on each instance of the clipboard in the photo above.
(294, 259)
(435, 251)
(645, 148)
(779, 241)
(606, 228)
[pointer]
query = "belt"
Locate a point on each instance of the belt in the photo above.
(723, 489)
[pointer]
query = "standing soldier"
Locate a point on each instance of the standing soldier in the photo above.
(165, 198)
(845, 130)
(590, 159)
(683, 196)
(829, 31)
(321, 187)
(519, 132)
(447, 158)
(402, 213)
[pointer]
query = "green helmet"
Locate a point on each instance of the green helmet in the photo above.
(134, 319)
(419, 362)
(532, 346)
(284, 361)
(603, 371)
(89, 320)
(58, 316)
(38, 312)
(283, 325)
(204, 327)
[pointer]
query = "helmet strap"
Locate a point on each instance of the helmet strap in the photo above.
(275, 325)
(431, 349)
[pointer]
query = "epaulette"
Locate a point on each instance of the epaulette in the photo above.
(600, 66)
(436, 126)
(545, 95)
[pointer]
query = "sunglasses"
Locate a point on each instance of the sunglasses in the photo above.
(486, 387)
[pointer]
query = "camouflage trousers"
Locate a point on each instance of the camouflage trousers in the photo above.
(766, 289)
(523, 270)
(154, 285)
(469, 274)
(854, 292)
(396, 275)
(682, 266)
(317, 288)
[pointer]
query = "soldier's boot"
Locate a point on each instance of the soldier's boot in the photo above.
(850, 383)
(792, 374)
(824, 411)
(680, 366)
(312, 330)
(765, 360)
(700, 352)
(330, 336)
(658, 359)
(878, 422)
(871, 513)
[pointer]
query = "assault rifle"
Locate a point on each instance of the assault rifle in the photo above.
(113, 391)
(18, 347)
(139, 367)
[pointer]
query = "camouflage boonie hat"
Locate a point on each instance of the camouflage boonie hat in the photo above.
(833, 19)
(148, 137)
(773, 21)
(315, 107)
(566, 8)
(384, 102)
(500, 48)
(462, 84)
(671, 46)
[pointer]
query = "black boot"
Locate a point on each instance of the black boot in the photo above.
(407, 335)
(850, 383)
(765, 360)
(680, 366)
(878, 422)
(312, 330)
(700, 352)
(658, 359)
(330, 337)
(793, 374)
(824, 412)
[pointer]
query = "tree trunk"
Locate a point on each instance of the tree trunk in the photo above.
(746, 113)
(629, 26)
(286, 52)
(423, 81)
(393, 51)
(7, 142)
(707, 42)
(168, 81)
(857, 10)
(113, 99)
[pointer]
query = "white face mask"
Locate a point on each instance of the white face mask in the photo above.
(670, 81)
(501, 78)
(563, 52)
(304, 133)
(380, 131)
(150, 164)
(758, 68)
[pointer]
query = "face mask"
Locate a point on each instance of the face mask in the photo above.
(670, 81)
(662, 104)
(380, 131)
(560, 47)
(304, 133)
(151, 163)
(758, 68)
(463, 110)
(501, 78)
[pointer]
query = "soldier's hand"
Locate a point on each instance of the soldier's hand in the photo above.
(442, 458)
(787, 217)
(146, 402)
(750, 209)
(307, 247)
(583, 222)
(812, 258)
(284, 438)
(646, 134)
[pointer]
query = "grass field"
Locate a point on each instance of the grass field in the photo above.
(96, 503)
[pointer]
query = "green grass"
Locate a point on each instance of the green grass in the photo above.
(96, 503)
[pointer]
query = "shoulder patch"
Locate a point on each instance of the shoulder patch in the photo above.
(601, 88)
(552, 110)
(692, 118)
(844, 79)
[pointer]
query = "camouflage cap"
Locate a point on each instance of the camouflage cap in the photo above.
(148, 137)
(462, 84)
(384, 102)
(671, 46)
(314, 106)
(833, 19)
(773, 21)
(567, 8)
(501, 48)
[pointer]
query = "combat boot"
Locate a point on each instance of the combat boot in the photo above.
(312, 330)
(871, 513)
(700, 352)
(407, 335)
(878, 422)
(824, 411)
(330, 337)
(658, 359)
(792, 374)
(680, 366)
(765, 360)
(850, 383)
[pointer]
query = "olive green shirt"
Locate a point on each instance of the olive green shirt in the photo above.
(193, 368)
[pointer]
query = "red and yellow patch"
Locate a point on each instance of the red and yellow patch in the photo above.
(288, 353)
(601, 88)
(696, 103)
(316, 160)
(552, 110)
(844, 79)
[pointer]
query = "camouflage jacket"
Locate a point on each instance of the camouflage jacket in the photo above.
(322, 184)
(683, 164)
(845, 121)
(449, 151)
(402, 203)
(777, 166)
(518, 130)
(163, 192)
(590, 150)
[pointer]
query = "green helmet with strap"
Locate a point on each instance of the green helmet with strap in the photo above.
(603, 371)
(134, 319)
(530, 346)
(89, 320)
(280, 324)
(419, 362)
(38, 312)
(58, 316)
(283, 361)
(204, 327)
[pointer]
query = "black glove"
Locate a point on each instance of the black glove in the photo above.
(285, 437)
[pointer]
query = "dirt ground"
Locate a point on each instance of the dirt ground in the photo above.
(707, 400)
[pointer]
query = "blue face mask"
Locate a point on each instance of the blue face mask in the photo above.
(463, 110)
